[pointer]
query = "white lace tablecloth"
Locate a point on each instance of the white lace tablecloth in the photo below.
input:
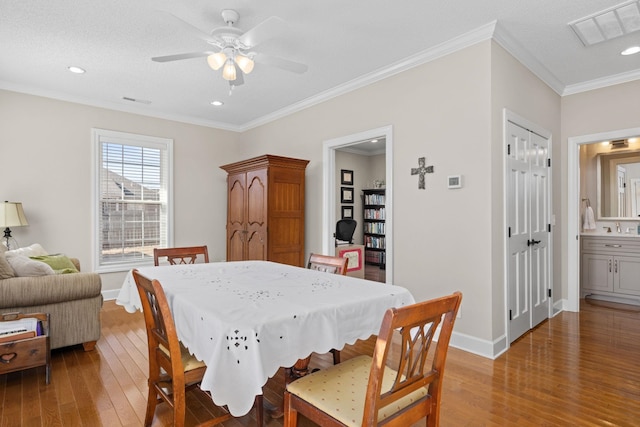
(247, 319)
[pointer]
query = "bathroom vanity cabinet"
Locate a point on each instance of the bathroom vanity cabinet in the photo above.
(611, 265)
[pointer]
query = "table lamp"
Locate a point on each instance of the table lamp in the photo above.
(11, 215)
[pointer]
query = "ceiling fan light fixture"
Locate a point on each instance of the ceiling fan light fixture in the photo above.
(245, 63)
(229, 70)
(216, 60)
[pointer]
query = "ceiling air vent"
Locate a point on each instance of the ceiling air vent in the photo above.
(608, 24)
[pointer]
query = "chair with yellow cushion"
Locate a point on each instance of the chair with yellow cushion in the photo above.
(394, 387)
(184, 255)
(172, 369)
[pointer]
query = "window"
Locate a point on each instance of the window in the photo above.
(132, 198)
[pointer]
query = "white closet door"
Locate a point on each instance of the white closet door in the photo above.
(528, 221)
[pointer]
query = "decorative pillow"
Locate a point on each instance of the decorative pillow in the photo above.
(33, 250)
(24, 266)
(58, 262)
(6, 272)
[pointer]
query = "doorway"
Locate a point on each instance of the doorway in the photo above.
(574, 204)
(331, 187)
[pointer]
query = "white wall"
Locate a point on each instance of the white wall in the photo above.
(45, 146)
(440, 111)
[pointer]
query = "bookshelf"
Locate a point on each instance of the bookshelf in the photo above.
(374, 215)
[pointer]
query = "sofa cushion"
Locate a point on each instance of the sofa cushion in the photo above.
(32, 250)
(6, 271)
(58, 262)
(26, 267)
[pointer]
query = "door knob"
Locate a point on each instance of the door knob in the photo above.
(533, 242)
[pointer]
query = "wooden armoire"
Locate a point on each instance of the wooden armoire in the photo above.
(265, 209)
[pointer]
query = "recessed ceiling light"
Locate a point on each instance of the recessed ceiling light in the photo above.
(217, 103)
(631, 50)
(374, 140)
(76, 70)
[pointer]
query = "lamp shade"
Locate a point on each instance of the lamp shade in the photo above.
(12, 214)
(229, 70)
(216, 60)
(245, 63)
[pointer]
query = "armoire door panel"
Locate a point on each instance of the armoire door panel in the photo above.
(257, 198)
(236, 212)
(256, 245)
(235, 245)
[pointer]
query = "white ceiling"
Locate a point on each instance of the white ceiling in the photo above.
(346, 44)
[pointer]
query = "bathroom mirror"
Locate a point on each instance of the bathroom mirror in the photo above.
(619, 185)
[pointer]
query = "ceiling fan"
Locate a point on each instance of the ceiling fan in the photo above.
(233, 48)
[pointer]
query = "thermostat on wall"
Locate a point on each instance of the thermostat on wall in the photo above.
(454, 181)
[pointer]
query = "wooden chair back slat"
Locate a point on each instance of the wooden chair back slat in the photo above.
(329, 264)
(183, 255)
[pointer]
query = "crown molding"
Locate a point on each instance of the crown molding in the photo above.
(458, 43)
(504, 39)
(602, 83)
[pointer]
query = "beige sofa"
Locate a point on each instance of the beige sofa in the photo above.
(73, 302)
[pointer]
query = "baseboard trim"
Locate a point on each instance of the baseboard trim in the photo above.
(484, 348)
(111, 294)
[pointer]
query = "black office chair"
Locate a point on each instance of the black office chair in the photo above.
(344, 231)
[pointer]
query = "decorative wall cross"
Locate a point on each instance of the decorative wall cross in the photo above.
(421, 170)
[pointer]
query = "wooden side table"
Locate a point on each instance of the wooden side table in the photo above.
(28, 352)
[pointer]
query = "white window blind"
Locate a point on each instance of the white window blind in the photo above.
(132, 203)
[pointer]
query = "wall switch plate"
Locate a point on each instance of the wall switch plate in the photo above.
(454, 181)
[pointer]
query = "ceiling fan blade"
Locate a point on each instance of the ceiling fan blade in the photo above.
(269, 28)
(193, 29)
(285, 64)
(181, 56)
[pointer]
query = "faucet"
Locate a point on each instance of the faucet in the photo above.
(618, 227)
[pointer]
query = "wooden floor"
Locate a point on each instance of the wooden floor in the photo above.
(375, 273)
(573, 370)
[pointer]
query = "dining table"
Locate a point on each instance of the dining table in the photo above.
(247, 319)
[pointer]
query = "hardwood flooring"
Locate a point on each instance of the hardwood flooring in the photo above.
(573, 370)
(375, 273)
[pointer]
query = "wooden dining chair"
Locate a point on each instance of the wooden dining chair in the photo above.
(172, 369)
(184, 255)
(388, 389)
(334, 265)
(329, 264)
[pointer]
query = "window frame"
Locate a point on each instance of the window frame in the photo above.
(98, 137)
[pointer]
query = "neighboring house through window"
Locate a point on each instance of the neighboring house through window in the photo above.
(132, 198)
